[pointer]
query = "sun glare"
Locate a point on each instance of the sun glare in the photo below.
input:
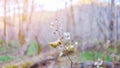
(53, 5)
(46, 5)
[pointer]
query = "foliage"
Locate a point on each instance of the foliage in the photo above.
(11, 66)
(33, 49)
(93, 55)
(21, 65)
(3, 48)
(13, 43)
(5, 58)
(1, 41)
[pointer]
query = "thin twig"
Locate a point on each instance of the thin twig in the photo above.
(59, 34)
(68, 56)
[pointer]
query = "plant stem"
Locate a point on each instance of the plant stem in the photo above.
(59, 33)
(68, 56)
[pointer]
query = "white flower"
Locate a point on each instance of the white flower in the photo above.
(61, 54)
(60, 47)
(76, 43)
(98, 62)
(67, 36)
(51, 25)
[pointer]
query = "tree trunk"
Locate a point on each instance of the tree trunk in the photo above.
(117, 29)
(30, 17)
(5, 30)
(73, 20)
(111, 26)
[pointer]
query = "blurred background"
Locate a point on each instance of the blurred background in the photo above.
(27, 26)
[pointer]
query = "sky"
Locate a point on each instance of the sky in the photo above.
(48, 5)
(54, 5)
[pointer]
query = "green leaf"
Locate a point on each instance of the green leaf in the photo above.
(33, 49)
(5, 58)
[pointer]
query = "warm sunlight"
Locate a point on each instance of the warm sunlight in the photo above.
(53, 5)
(46, 5)
(59, 33)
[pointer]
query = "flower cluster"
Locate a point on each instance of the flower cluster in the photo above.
(63, 43)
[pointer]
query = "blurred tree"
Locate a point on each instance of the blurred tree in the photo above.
(111, 26)
(25, 11)
(24, 19)
(67, 16)
(21, 38)
(5, 30)
(101, 23)
(20, 33)
(73, 18)
(117, 16)
(30, 15)
(39, 44)
(70, 19)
